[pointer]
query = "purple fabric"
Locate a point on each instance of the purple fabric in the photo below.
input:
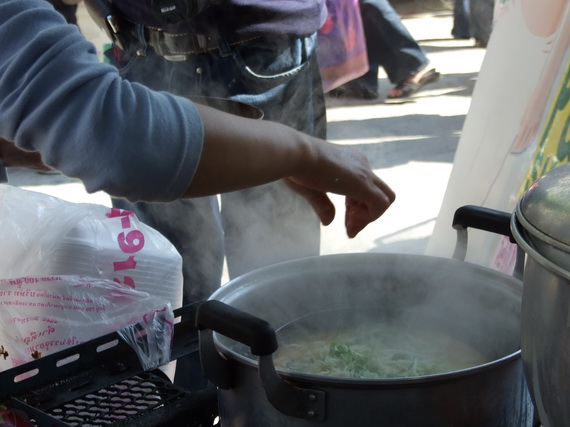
(342, 36)
(342, 45)
(239, 17)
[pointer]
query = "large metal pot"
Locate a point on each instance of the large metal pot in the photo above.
(545, 339)
(476, 305)
(540, 225)
(542, 217)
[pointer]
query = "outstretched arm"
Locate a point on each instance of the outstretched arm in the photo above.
(56, 98)
(241, 153)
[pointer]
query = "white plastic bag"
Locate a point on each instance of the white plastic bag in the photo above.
(42, 315)
(43, 235)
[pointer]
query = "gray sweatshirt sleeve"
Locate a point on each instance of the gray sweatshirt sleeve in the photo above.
(57, 98)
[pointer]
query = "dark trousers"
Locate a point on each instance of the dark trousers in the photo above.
(257, 226)
(473, 18)
(389, 44)
(461, 13)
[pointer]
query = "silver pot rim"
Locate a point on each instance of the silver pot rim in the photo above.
(543, 210)
(529, 248)
(538, 233)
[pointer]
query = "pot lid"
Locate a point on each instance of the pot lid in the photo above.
(544, 210)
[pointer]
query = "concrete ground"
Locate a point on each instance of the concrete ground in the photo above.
(410, 144)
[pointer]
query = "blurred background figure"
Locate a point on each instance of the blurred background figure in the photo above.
(473, 19)
(390, 46)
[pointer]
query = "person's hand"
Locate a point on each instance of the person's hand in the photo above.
(241, 153)
(12, 156)
(346, 171)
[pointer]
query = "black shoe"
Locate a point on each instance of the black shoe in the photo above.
(354, 90)
(481, 43)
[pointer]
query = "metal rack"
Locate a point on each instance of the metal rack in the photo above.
(102, 383)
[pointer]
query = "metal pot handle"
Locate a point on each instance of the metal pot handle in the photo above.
(485, 219)
(260, 337)
(238, 325)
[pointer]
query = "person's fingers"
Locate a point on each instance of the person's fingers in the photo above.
(359, 214)
(357, 217)
(319, 201)
(373, 199)
(385, 189)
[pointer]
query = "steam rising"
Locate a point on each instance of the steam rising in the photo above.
(477, 306)
(267, 225)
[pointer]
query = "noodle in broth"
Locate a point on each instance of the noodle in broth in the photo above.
(374, 352)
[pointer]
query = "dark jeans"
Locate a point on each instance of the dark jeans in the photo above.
(473, 18)
(257, 226)
(461, 13)
(263, 225)
(389, 44)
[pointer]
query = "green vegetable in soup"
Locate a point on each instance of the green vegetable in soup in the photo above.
(375, 352)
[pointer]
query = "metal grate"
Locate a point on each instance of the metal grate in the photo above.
(101, 383)
(117, 403)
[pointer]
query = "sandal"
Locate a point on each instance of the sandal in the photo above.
(408, 88)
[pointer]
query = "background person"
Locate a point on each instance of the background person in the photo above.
(57, 100)
(473, 19)
(256, 52)
(391, 46)
(261, 53)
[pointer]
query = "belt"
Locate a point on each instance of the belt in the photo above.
(182, 44)
(173, 46)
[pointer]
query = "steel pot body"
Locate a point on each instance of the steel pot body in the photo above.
(541, 227)
(479, 306)
(543, 265)
(545, 333)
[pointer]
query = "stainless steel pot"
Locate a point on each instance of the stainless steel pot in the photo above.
(545, 339)
(540, 226)
(477, 305)
(543, 217)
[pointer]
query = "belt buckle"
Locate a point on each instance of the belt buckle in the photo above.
(199, 44)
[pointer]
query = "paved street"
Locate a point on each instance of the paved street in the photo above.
(410, 144)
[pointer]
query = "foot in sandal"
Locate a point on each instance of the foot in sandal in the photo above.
(414, 83)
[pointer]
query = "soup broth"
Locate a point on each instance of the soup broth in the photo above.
(376, 351)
